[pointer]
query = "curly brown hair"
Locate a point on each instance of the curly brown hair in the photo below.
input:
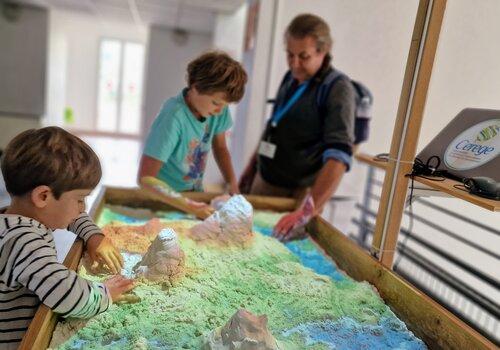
(216, 71)
(49, 156)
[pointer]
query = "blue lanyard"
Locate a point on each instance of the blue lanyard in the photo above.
(281, 110)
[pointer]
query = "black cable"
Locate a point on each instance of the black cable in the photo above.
(428, 171)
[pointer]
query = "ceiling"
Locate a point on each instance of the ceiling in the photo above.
(192, 15)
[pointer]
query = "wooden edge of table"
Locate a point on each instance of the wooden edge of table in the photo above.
(142, 199)
(435, 325)
(45, 319)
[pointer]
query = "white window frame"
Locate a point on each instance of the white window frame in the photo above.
(117, 133)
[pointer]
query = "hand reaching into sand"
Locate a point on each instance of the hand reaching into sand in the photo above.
(292, 226)
(201, 208)
(117, 286)
(166, 194)
(102, 250)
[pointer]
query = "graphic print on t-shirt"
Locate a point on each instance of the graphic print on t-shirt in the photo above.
(196, 160)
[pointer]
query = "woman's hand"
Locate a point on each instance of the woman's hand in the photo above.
(292, 226)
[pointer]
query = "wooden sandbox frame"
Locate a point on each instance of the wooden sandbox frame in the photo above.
(436, 326)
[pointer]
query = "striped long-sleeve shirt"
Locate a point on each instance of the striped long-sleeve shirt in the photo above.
(30, 274)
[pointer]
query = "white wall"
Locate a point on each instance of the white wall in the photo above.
(10, 126)
(228, 36)
(31, 26)
(23, 43)
(57, 66)
(229, 32)
(466, 69)
(166, 63)
(73, 63)
(252, 109)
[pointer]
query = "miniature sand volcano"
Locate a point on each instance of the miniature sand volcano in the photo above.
(164, 260)
(231, 224)
(244, 331)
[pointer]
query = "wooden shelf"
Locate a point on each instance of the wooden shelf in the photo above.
(366, 158)
(446, 186)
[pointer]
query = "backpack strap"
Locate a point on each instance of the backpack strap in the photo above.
(326, 86)
(363, 101)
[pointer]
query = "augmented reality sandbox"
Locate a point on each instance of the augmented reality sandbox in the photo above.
(225, 291)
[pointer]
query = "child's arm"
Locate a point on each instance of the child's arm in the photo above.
(35, 266)
(148, 170)
(100, 248)
(223, 158)
(84, 227)
(162, 192)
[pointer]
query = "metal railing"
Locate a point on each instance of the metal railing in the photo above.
(440, 281)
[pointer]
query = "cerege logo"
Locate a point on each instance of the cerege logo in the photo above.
(475, 146)
(488, 133)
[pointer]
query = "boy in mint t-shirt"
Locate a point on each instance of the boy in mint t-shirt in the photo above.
(188, 126)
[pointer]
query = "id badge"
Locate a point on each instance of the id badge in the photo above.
(267, 149)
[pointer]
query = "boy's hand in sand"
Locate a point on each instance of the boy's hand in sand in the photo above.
(200, 207)
(101, 249)
(118, 285)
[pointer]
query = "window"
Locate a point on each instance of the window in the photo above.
(121, 66)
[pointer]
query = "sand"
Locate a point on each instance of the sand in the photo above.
(307, 307)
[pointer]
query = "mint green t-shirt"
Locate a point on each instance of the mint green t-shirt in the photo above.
(182, 143)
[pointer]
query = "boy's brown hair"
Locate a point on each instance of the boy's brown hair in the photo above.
(49, 156)
(215, 72)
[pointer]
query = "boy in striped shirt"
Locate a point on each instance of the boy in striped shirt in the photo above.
(48, 173)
